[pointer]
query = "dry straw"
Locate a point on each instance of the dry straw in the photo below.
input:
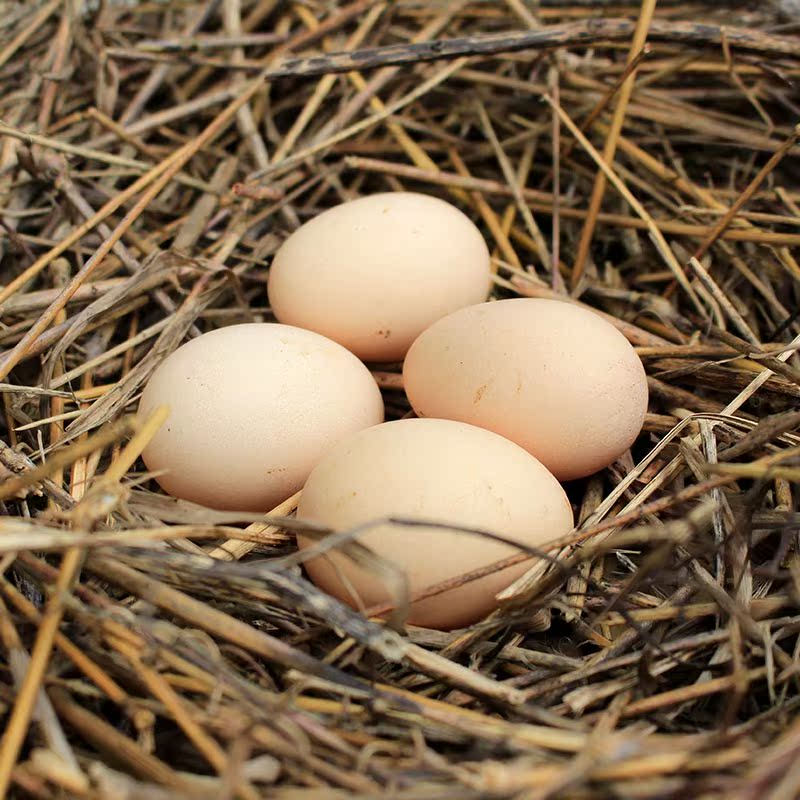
(639, 159)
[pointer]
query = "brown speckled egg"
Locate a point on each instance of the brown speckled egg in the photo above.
(555, 378)
(252, 409)
(435, 471)
(373, 273)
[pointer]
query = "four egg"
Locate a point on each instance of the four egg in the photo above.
(511, 397)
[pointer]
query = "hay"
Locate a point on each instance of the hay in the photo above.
(641, 160)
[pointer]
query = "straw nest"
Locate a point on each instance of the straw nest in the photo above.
(153, 157)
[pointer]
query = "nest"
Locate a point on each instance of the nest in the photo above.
(639, 161)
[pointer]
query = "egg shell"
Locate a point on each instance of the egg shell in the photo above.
(373, 273)
(435, 471)
(252, 409)
(551, 376)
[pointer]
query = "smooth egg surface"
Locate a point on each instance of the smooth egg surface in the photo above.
(252, 409)
(555, 378)
(434, 471)
(373, 273)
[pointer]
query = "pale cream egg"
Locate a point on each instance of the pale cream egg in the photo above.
(373, 273)
(555, 378)
(252, 409)
(434, 471)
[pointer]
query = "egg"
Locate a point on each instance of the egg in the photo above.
(434, 471)
(373, 273)
(551, 376)
(252, 409)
